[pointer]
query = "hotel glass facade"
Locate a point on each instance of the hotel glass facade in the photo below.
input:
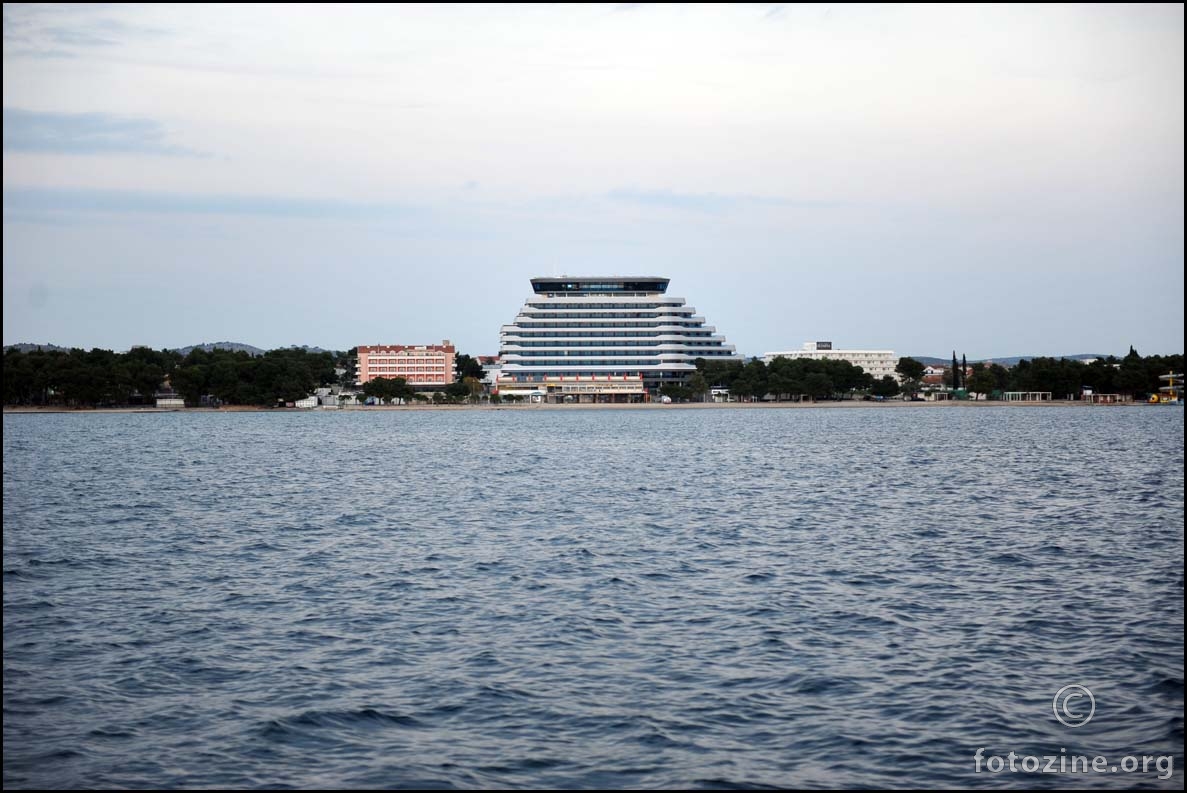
(603, 338)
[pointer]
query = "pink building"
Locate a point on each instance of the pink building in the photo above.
(421, 365)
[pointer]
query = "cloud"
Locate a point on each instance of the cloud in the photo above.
(26, 203)
(87, 133)
(708, 202)
(62, 30)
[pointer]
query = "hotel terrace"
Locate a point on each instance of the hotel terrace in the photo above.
(603, 339)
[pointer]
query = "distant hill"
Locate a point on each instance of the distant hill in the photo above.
(34, 347)
(1012, 360)
(233, 346)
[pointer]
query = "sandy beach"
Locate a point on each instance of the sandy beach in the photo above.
(524, 408)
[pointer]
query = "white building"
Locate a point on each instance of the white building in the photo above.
(603, 338)
(876, 363)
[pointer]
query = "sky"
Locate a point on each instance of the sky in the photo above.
(997, 180)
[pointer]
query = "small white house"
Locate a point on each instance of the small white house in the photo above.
(170, 402)
(307, 402)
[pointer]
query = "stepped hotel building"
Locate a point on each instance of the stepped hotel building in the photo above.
(603, 339)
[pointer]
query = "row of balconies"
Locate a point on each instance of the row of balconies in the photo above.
(676, 330)
(604, 339)
(578, 352)
(526, 316)
(595, 304)
(564, 342)
(666, 366)
(640, 311)
(545, 360)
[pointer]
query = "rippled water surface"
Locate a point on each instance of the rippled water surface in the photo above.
(620, 598)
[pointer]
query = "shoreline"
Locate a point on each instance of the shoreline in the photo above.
(525, 408)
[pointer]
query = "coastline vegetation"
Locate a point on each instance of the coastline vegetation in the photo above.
(100, 378)
(797, 378)
(104, 378)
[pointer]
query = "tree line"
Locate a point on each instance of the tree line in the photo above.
(794, 378)
(104, 378)
(101, 377)
(394, 390)
(1132, 375)
(79, 378)
(798, 378)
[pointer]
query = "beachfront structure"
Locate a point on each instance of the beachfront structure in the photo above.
(419, 365)
(1027, 396)
(1172, 392)
(603, 339)
(877, 363)
(1093, 398)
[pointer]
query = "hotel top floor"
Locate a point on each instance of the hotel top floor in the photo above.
(632, 285)
(396, 349)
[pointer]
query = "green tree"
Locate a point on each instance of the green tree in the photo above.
(675, 391)
(845, 377)
(190, 382)
(1132, 377)
(224, 380)
(818, 385)
(742, 388)
(388, 389)
(468, 367)
(886, 387)
(982, 382)
(1001, 376)
(754, 376)
(473, 387)
(909, 369)
(698, 386)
